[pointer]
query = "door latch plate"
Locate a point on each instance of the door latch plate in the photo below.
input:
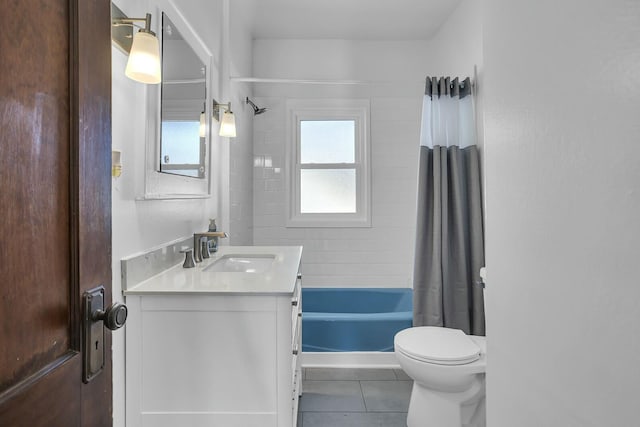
(93, 334)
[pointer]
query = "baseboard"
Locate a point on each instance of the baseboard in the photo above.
(349, 359)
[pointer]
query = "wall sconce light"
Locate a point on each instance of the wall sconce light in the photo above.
(116, 163)
(228, 120)
(203, 125)
(143, 48)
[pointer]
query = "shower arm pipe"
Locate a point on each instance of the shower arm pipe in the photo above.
(256, 110)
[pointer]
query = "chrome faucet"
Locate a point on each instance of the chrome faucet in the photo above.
(201, 244)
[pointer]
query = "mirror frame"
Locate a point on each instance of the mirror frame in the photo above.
(159, 185)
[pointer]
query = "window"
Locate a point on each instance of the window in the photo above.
(179, 155)
(328, 160)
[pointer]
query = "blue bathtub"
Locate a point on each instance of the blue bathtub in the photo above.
(354, 319)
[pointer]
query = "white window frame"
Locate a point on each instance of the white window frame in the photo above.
(329, 109)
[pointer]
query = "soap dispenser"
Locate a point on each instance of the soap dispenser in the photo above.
(212, 241)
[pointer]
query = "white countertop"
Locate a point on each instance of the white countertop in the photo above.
(280, 278)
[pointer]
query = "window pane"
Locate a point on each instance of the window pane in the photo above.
(328, 191)
(178, 142)
(327, 141)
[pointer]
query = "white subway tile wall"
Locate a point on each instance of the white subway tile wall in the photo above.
(379, 256)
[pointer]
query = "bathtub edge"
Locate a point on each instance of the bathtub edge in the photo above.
(349, 359)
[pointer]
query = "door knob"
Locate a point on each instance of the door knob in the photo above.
(95, 319)
(114, 317)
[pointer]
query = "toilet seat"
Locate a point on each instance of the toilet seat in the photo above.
(442, 346)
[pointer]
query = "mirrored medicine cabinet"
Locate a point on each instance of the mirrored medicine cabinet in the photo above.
(179, 112)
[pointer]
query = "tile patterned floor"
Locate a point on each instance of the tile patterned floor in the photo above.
(338, 397)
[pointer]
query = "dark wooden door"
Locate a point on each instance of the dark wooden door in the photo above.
(55, 207)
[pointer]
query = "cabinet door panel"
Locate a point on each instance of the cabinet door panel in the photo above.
(219, 361)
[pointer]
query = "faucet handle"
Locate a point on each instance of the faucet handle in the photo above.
(204, 249)
(188, 258)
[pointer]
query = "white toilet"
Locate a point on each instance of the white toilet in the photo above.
(448, 371)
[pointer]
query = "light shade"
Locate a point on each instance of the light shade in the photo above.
(228, 125)
(203, 125)
(144, 59)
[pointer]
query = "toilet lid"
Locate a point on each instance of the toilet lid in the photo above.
(434, 344)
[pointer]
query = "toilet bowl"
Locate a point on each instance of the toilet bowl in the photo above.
(448, 371)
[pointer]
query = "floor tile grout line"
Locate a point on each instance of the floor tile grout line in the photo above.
(364, 401)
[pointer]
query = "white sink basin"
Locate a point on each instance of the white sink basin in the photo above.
(242, 263)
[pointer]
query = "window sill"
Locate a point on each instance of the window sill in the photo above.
(317, 221)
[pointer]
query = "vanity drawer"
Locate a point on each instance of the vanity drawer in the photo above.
(296, 329)
(296, 303)
(296, 308)
(296, 342)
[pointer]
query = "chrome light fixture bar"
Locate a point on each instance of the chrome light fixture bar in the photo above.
(143, 48)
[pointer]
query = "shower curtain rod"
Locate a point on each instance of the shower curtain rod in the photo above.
(311, 81)
(237, 79)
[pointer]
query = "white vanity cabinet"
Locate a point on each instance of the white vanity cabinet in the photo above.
(202, 354)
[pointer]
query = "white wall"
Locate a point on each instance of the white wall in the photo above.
(380, 256)
(457, 51)
(140, 225)
(241, 147)
(562, 101)
(457, 46)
